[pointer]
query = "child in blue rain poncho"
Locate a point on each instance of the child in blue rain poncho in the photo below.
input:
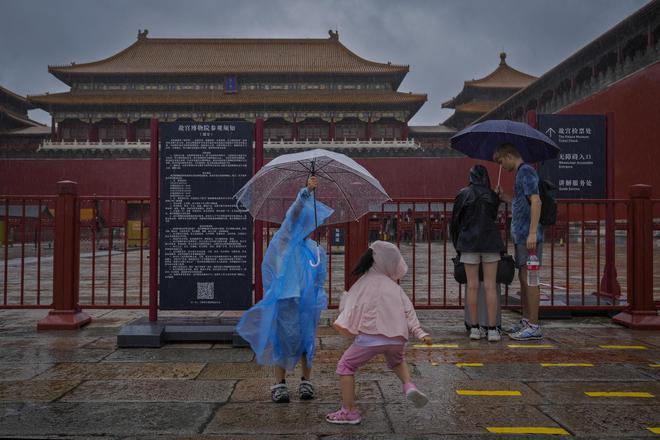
(281, 328)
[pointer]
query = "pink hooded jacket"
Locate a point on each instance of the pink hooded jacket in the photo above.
(376, 304)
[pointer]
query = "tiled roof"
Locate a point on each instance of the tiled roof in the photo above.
(504, 76)
(273, 97)
(18, 118)
(477, 106)
(232, 56)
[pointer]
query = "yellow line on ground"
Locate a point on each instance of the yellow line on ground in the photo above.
(435, 346)
(618, 394)
(527, 430)
(531, 346)
(488, 393)
(623, 347)
(654, 430)
(654, 365)
(568, 365)
(469, 364)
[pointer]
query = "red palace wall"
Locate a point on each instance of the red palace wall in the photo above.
(401, 177)
(635, 102)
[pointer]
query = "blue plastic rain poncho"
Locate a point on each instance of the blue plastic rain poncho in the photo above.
(281, 328)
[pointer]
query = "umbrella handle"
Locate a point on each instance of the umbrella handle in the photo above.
(318, 257)
(239, 209)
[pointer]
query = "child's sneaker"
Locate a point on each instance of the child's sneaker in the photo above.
(344, 417)
(494, 335)
(529, 333)
(279, 393)
(475, 333)
(306, 390)
(418, 398)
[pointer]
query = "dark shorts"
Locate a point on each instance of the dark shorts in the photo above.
(521, 254)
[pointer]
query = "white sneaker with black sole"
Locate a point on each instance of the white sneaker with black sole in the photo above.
(279, 393)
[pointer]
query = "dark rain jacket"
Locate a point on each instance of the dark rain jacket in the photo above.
(473, 222)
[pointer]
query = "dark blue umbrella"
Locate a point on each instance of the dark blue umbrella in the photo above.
(479, 141)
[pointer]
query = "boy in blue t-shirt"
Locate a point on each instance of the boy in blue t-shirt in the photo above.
(527, 235)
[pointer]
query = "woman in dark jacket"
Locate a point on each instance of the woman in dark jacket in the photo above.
(477, 240)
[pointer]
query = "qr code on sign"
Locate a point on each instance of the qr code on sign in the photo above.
(205, 290)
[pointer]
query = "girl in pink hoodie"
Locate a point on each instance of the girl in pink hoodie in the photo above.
(378, 313)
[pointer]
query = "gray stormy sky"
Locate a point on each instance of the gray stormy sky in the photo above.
(444, 42)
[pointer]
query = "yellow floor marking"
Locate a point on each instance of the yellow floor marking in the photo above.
(618, 394)
(435, 346)
(469, 364)
(531, 346)
(654, 365)
(624, 347)
(568, 365)
(528, 430)
(487, 393)
(654, 430)
(434, 364)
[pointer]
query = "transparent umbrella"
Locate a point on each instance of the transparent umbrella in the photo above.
(343, 184)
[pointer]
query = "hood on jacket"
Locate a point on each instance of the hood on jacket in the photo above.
(388, 260)
(479, 176)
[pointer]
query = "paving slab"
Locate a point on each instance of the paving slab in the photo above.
(45, 355)
(22, 371)
(123, 371)
(149, 390)
(606, 421)
(91, 418)
(327, 391)
(555, 392)
(469, 418)
(180, 355)
(536, 372)
(291, 418)
(35, 390)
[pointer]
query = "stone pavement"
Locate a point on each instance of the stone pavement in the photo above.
(79, 385)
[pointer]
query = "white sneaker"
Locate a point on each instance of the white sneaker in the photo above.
(475, 333)
(494, 335)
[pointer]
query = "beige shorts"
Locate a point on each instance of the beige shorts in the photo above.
(479, 257)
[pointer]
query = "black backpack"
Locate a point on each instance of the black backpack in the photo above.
(547, 192)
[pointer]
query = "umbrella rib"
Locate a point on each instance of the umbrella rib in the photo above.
(350, 205)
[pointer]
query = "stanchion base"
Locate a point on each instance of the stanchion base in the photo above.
(64, 320)
(638, 320)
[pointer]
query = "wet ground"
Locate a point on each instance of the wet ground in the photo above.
(587, 379)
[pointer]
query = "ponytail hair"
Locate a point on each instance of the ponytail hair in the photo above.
(364, 263)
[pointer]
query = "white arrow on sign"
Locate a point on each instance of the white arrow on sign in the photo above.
(550, 131)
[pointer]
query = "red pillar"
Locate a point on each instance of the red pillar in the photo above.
(130, 131)
(258, 225)
(369, 129)
(609, 285)
(66, 313)
(641, 312)
(53, 133)
(356, 243)
(331, 131)
(59, 132)
(404, 130)
(154, 211)
(531, 119)
(93, 132)
(294, 131)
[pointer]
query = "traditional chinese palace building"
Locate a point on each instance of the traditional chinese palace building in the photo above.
(17, 131)
(304, 89)
(480, 96)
